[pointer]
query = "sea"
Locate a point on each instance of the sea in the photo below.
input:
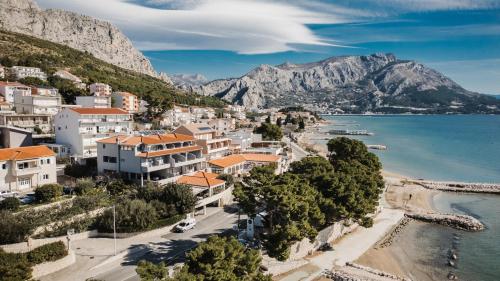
(444, 147)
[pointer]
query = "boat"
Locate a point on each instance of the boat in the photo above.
(350, 132)
(377, 146)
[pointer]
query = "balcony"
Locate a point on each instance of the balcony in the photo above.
(214, 198)
(26, 171)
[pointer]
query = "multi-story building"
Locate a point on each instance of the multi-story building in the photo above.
(21, 72)
(214, 146)
(221, 125)
(126, 101)
(201, 113)
(39, 101)
(237, 111)
(36, 123)
(81, 128)
(9, 89)
(237, 164)
(5, 106)
(177, 116)
(94, 101)
(44, 91)
(24, 168)
(100, 89)
(160, 159)
(243, 139)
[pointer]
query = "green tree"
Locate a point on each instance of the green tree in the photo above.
(181, 196)
(269, 132)
(217, 259)
(14, 267)
(33, 81)
(48, 192)
(228, 178)
(131, 216)
(14, 229)
(10, 204)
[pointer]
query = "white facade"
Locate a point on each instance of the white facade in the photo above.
(28, 121)
(2, 72)
(94, 101)
(24, 168)
(9, 89)
(214, 145)
(100, 89)
(157, 158)
(37, 104)
(80, 128)
(21, 72)
(177, 116)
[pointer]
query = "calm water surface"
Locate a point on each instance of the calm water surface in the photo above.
(458, 147)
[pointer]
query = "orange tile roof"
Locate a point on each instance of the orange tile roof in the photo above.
(228, 161)
(203, 179)
(257, 157)
(124, 94)
(26, 152)
(105, 111)
(3, 83)
(150, 139)
(170, 151)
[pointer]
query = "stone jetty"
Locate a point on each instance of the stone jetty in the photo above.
(356, 272)
(493, 188)
(462, 222)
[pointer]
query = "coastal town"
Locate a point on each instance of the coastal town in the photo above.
(107, 149)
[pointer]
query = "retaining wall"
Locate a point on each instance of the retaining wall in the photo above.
(46, 268)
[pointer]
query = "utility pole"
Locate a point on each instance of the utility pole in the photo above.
(114, 226)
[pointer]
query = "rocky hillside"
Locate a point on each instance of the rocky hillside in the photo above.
(354, 84)
(80, 32)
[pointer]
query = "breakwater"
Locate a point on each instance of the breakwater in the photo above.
(357, 272)
(461, 222)
(492, 188)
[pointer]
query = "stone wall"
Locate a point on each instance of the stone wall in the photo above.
(46, 268)
(24, 247)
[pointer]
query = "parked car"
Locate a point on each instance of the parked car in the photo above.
(185, 225)
(27, 199)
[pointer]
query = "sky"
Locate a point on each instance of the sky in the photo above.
(228, 38)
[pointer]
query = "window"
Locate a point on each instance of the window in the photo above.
(104, 146)
(112, 159)
(41, 161)
(45, 177)
(48, 160)
(105, 159)
(4, 166)
(21, 166)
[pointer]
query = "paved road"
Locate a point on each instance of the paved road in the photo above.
(94, 255)
(297, 152)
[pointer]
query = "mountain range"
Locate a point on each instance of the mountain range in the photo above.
(100, 38)
(350, 84)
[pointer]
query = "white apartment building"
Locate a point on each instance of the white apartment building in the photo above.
(100, 89)
(126, 101)
(8, 89)
(160, 159)
(47, 102)
(94, 101)
(201, 113)
(214, 145)
(28, 121)
(24, 168)
(21, 72)
(177, 116)
(237, 111)
(243, 139)
(81, 128)
(221, 125)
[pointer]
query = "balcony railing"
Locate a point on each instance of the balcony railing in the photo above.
(26, 171)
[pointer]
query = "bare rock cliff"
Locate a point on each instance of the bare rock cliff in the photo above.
(100, 38)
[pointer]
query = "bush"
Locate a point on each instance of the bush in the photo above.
(131, 216)
(10, 204)
(48, 192)
(48, 252)
(13, 228)
(84, 185)
(81, 171)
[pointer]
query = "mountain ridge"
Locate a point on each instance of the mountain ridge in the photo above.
(353, 84)
(100, 38)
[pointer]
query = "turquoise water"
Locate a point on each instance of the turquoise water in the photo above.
(462, 148)
(441, 147)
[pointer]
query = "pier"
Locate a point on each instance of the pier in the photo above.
(493, 188)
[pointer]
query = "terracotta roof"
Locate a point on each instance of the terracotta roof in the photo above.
(3, 83)
(198, 128)
(150, 139)
(236, 159)
(228, 161)
(125, 94)
(170, 151)
(26, 152)
(105, 111)
(258, 157)
(203, 179)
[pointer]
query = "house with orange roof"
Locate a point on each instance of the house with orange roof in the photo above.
(237, 164)
(160, 159)
(214, 145)
(208, 188)
(9, 89)
(126, 101)
(81, 128)
(24, 168)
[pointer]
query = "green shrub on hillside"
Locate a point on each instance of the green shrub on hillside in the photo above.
(48, 192)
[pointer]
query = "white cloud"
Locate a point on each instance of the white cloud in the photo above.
(243, 26)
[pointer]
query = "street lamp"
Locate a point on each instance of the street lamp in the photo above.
(114, 226)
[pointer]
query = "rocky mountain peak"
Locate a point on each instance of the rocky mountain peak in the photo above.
(84, 33)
